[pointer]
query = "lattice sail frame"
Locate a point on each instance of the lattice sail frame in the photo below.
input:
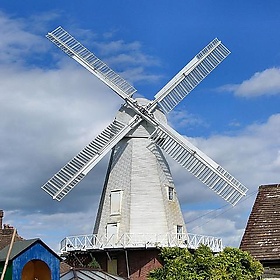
(181, 150)
(199, 164)
(82, 55)
(77, 168)
(191, 75)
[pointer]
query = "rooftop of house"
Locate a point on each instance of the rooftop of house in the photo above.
(6, 233)
(88, 274)
(20, 246)
(262, 234)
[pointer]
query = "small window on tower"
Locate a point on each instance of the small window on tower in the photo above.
(116, 198)
(112, 230)
(112, 233)
(179, 232)
(170, 193)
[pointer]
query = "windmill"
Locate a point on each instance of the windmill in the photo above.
(139, 198)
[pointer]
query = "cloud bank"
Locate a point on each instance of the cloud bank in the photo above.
(262, 83)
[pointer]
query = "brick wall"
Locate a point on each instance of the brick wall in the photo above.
(131, 264)
(141, 262)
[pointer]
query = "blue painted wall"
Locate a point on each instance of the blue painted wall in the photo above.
(36, 252)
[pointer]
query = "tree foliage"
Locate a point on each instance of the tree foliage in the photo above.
(230, 264)
(94, 264)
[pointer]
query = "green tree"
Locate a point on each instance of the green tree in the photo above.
(230, 264)
(237, 264)
(94, 264)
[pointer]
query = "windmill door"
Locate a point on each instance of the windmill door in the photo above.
(112, 233)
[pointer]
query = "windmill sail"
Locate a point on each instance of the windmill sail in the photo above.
(138, 179)
(190, 157)
(82, 55)
(191, 75)
(76, 169)
(199, 164)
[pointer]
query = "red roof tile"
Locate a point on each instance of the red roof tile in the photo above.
(262, 234)
(6, 233)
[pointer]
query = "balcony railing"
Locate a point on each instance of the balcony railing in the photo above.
(96, 242)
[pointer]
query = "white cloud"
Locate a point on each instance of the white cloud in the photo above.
(266, 82)
(132, 59)
(16, 42)
(139, 74)
(129, 60)
(51, 228)
(181, 119)
(118, 46)
(47, 116)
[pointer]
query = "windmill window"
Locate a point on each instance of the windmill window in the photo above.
(115, 201)
(170, 193)
(112, 232)
(179, 232)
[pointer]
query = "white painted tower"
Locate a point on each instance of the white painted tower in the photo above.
(139, 199)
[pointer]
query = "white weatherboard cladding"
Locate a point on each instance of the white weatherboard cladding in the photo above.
(119, 173)
(140, 172)
(147, 202)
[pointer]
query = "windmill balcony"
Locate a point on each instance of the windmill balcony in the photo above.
(95, 242)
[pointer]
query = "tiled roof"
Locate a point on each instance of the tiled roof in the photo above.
(262, 234)
(18, 247)
(271, 273)
(6, 237)
(21, 246)
(64, 267)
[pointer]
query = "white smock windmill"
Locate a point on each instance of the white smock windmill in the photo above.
(139, 201)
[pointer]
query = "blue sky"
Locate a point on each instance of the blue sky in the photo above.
(51, 107)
